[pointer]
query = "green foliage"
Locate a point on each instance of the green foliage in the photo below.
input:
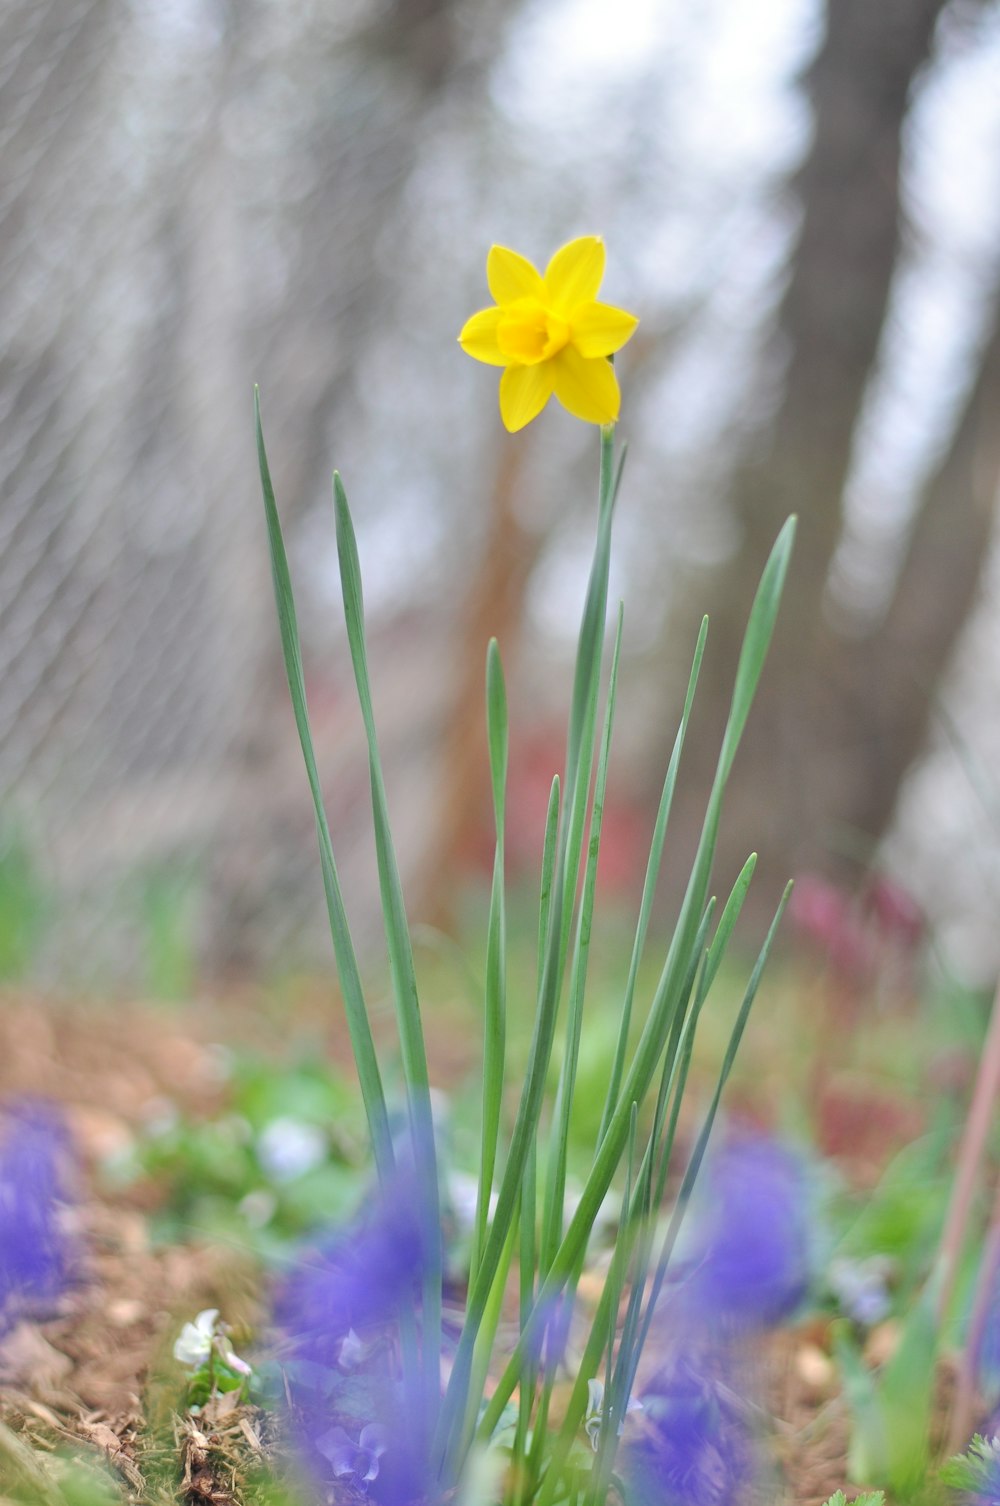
(522, 1180)
(902, 1216)
(212, 1379)
(281, 1160)
(867, 1498)
(977, 1471)
(169, 901)
(890, 1432)
(25, 903)
(31, 1478)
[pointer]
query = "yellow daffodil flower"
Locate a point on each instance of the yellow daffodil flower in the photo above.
(550, 334)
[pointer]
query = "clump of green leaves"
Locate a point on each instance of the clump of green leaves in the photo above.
(976, 1472)
(280, 1160)
(205, 1347)
(524, 1233)
(29, 1477)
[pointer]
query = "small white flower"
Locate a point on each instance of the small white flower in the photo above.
(232, 1359)
(594, 1419)
(286, 1148)
(352, 1351)
(595, 1407)
(194, 1343)
(197, 1340)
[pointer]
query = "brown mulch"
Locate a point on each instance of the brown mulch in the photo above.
(81, 1374)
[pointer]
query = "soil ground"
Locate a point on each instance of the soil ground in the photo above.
(98, 1373)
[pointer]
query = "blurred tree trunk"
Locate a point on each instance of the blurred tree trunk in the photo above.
(828, 330)
(889, 678)
(493, 608)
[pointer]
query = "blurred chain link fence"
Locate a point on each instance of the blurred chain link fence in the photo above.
(156, 189)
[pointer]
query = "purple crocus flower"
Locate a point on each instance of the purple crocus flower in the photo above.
(692, 1446)
(353, 1417)
(35, 1252)
(750, 1250)
(355, 1462)
(358, 1281)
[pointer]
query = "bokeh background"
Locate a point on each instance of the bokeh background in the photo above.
(802, 202)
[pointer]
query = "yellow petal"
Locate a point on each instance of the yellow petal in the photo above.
(512, 276)
(479, 337)
(524, 391)
(573, 276)
(599, 329)
(588, 388)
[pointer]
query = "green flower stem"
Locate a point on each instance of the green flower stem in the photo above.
(579, 762)
(495, 1026)
(583, 709)
(555, 1189)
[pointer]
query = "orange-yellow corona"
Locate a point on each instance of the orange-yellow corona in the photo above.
(550, 334)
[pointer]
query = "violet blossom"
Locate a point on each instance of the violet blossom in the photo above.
(358, 1281)
(692, 1446)
(353, 1416)
(358, 1463)
(750, 1255)
(36, 1254)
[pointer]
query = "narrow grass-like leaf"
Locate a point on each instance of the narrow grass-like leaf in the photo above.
(676, 967)
(601, 1325)
(559, 1130)
(594, 610)
(528, 1203)
(355, 1008)
(548, 874)
(579, 762)
(758, 634)
(21, 1467)
(495, 1027)
(675, 1061)
(649, 884)
(511, 1184)
(400, 950)
(555, 1187)
(526, 1300)
(586, 685)
(486, 1339)
(891, 1410)
(558, 1278)
(578, 1399)
(757, 642)
(706, 977)
(701, 1145)
(609, 1418)
(652, 1177)
(727, 921)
